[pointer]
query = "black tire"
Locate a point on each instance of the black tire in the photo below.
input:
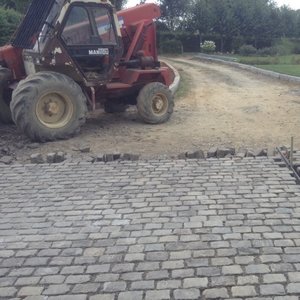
(5, 114)
(112, 106)
(147, 103)
(48, 106)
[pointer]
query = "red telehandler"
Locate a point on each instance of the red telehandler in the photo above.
(69, 55)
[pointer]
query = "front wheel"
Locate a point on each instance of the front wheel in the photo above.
(48, 106)
(155, 103)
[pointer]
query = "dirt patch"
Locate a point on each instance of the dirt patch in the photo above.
(222, 106)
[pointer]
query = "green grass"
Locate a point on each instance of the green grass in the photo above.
(270, 60)
(184, 85)
(285, 64)
(293, 70)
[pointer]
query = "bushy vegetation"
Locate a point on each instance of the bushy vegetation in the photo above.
(9, 20)
(171, 47)
(286, 46)
(21, 5)
(268, 51)
(281, 47)
(247, 50)
(259, 60)
(11, 12)
(232, 23)
(18, 5)
(285, 64)
(270, 60)
(208, 47)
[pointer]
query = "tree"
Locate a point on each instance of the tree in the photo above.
(225, 22)
(19, 5)
(9, 20)
(201, 18)
(289, 19)
(118, 3)
(174, 12)
(241, 21)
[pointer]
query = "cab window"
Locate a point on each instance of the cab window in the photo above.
(104, 24)
(78, 30)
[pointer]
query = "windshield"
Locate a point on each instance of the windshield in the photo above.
(89, 26)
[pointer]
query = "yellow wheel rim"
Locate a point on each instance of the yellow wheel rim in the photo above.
(160, 104)
(54, 110)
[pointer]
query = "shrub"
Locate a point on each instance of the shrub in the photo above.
(281, 50)
(171, 47)
(208, 47)
(259, 60)
(247, 50)
(286, 46)
(296, 60)
(9, 21)
(237, 42)
(297, 49)
(268, 51)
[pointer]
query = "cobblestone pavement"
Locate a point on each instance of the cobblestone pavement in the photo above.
(150, 230)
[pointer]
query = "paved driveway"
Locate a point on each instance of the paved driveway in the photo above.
(150, 230)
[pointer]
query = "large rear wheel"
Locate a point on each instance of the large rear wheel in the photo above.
(48, 106)
(5, 114)
(155, 103)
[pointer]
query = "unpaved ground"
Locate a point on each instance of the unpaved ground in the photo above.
(222, 107)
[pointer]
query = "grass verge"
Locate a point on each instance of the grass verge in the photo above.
(270, 60)
(293, 70)
(185, 84)
(285, 64)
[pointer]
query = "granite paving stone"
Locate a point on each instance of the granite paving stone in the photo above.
(150, 230)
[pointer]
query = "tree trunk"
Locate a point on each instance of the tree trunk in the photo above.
(200, 40)
(222, 43)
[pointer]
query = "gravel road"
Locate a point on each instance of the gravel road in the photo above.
(221, 106)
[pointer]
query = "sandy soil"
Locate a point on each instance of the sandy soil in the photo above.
(223, 106)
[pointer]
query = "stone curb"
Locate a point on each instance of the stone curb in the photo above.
(252, 69)
(175, 85)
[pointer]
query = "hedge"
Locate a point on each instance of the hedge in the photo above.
(9, 21)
